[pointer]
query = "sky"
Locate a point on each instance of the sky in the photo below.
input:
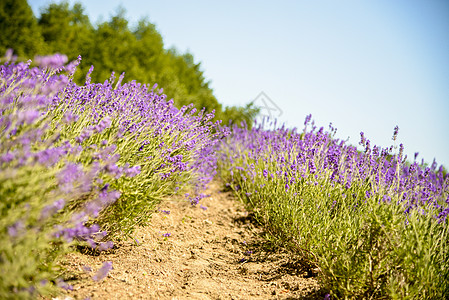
(360, 65)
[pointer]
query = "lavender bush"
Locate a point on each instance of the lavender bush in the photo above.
(39, 177)
(160, 149)
(374, 225)
(78, 163)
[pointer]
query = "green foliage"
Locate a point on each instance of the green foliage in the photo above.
(19, 29)
(68, 31)
(238, 115)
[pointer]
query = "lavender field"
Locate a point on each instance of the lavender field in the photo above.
(84, 165)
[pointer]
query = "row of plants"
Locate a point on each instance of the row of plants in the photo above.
(86, 164)
(375, 225)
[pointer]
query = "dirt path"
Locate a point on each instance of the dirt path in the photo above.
(213, 253)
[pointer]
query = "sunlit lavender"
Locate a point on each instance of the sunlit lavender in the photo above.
(84, 164)
(353, 212)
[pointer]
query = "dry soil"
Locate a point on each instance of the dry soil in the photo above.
(214, 251)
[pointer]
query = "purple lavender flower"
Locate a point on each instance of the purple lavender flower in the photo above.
(70, 117)
(105, 246)
(312, 167)
(362, 139)
(165, 175)
(133, 171)
(62, 284)
(28, 116)
(103, 271)
(68, 176)
(7, 157)
(105, 123)
(265, 173)
(15, 229)
(9, 55)
(49, 156)
(395, 133)
(307, 120)
(92, 244)
(49, 210)
(52, 61)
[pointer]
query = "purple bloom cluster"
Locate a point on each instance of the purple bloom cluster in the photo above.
(144, 114)
(103, 271)
(314, 154)
(52, 61)
(28, 140)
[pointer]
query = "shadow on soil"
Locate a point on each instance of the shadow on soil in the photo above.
(283, 262)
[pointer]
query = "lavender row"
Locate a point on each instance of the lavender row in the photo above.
(86, 164)
(315, 152)
(367, 218)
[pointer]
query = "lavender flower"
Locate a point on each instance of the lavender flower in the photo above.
(15, 229)
(62, 284)
(133, 171)
(52, 61)
(103, 271)
(70, 117)
(395, 133)
(49, 210)
(105, 246)
(28, 116)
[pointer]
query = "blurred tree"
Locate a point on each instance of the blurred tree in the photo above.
(236, 115)
(19, 29)
(68, 31)
(149, 49)
(113, 50)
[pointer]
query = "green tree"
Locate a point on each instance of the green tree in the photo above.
(19, 29)
(238, 114)
(67, 30)
(149, 50)
(113, 50)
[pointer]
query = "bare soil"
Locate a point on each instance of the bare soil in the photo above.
(213, 253)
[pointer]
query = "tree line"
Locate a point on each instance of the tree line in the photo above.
(112, 46)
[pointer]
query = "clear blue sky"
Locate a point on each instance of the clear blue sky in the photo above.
(362, 65)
